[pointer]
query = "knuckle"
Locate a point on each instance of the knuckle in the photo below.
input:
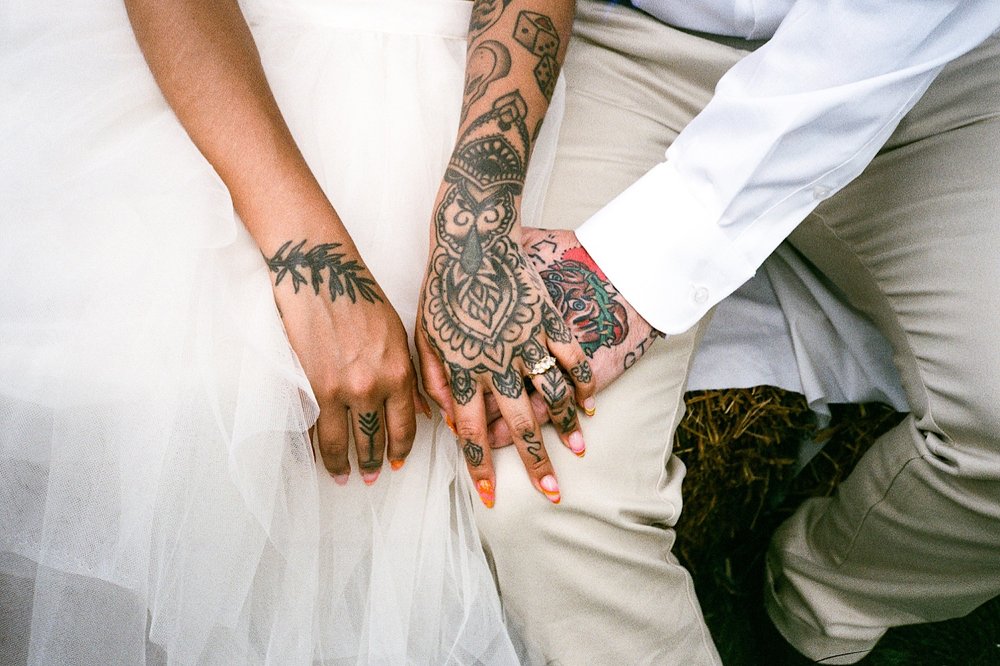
(523, 424)
(362, 385)
(400, 375)
(470, 431)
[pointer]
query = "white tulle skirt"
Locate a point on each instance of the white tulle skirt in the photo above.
(159, 501)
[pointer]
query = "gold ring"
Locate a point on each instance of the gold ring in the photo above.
(542, 366)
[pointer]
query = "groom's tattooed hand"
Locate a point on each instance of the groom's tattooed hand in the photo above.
(585, 298)
(322, 263)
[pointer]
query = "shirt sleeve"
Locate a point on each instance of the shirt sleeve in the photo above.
(788, 126)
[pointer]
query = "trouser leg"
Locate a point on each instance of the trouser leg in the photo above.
(911, 536)
(592, 580)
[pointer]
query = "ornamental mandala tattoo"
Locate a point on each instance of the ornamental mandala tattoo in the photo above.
(587, 301)
(481, 295)
(342, 277)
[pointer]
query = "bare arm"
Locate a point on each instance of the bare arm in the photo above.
(206, 63)
(348, 338)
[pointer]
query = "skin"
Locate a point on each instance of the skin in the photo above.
(486, 317)
(353, 349)
(614, 335)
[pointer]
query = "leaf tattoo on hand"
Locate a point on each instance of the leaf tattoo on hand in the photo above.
(342, 277)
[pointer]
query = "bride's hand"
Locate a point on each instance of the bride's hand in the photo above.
(354, 351)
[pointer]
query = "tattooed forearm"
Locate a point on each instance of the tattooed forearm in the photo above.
(538, 34)
(586, 299)
(369, 426)
(641, 348)
(342, 277)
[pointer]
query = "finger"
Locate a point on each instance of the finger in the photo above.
(433, 375)
(470, 426)
(369, 440)
(499, 432)
(492, 410)
(527, 438)
(557, 395)
(420, 402)
(571, 357)
(332, 436)
(567, 350)
(400, 427)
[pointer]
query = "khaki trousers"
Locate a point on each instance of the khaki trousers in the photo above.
(915, 242)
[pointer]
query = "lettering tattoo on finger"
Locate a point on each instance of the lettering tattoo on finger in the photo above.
(322, 262)
(370, 425)
(473, 453)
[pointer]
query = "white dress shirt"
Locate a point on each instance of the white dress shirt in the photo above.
(790, 125)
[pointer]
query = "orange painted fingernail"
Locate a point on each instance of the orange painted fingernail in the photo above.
(451, 424)
(551, 488)
(370, 477)
(486, 492)
(397, 465)
(590, 406)
(577, 445)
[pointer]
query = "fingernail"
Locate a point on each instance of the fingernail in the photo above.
(370, 477)
(451, 424)
(341, 479)
(551, 488)
(427, 410)
(396, 465)
(590, 406)
(486, 492)
(576, 444)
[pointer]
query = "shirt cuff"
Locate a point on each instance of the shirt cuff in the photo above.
(664, 251)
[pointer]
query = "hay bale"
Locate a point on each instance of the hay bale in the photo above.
(740, 446)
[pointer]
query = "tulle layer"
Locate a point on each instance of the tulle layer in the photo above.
(159, 501)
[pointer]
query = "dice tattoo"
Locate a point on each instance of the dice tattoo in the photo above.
(537, 34)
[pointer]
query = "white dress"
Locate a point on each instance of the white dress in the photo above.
(159, 502)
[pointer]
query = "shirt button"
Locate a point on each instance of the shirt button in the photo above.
(700, 295)
(821, 192)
